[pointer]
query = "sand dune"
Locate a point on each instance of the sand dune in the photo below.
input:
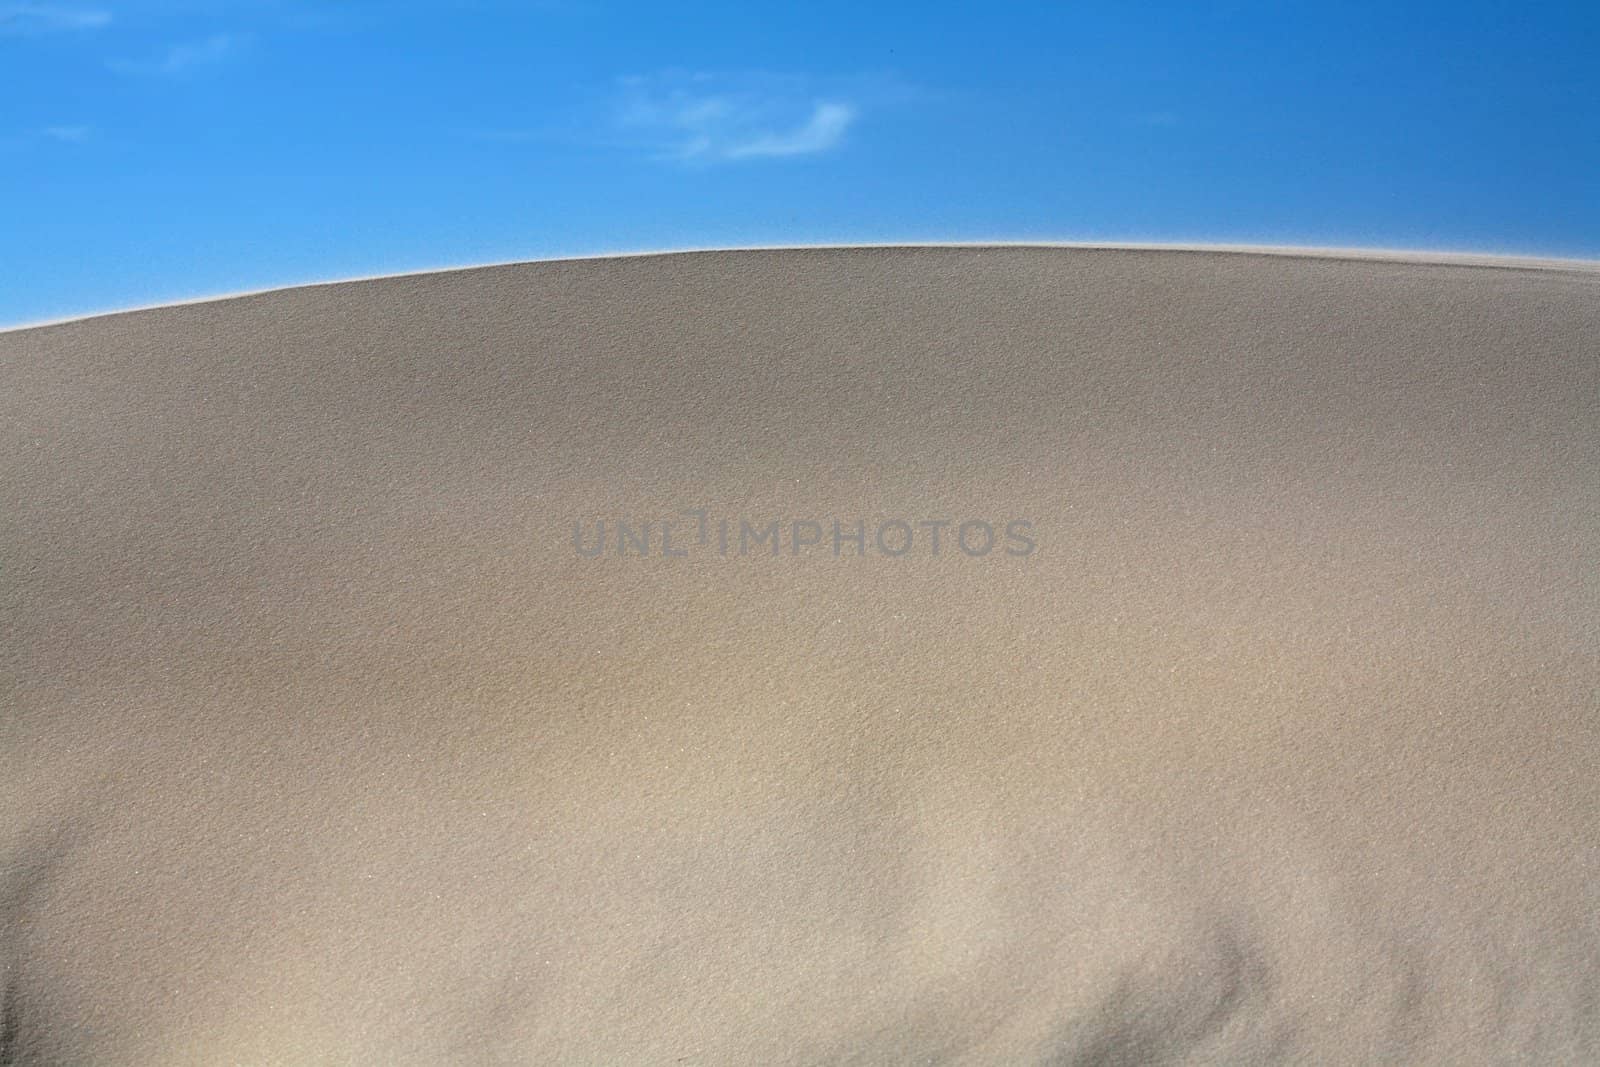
(1261, 726)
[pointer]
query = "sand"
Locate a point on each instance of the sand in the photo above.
(1264, 727)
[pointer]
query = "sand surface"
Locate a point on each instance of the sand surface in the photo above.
(1269, 731)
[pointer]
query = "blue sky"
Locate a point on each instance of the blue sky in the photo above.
(162, 149)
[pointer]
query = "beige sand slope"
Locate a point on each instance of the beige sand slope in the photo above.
(323, 742)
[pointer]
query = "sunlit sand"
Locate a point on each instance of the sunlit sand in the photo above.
(325, 740)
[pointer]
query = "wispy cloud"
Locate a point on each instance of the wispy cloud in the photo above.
(67, 134)
(827, 124)
(712, 118)
(28, 20)
(184, 58)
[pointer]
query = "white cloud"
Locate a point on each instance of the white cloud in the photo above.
(827, 124)
(67, 134)
(26, 20)
(180, 59)
(712, 118)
